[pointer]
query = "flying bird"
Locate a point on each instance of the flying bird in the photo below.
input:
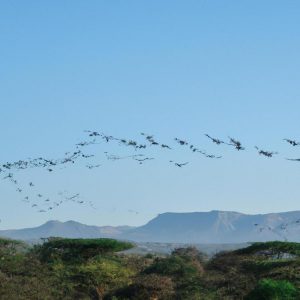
(237, 144)
(142, 160)
(165, 146)
(180, 165)
(209, 155)
(265, 153)
(215, 140)
(181, 142)
(93, 133)
(93, 166)
(83, 144)
(293, 159)
(292, 142)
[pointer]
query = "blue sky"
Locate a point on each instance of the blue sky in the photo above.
(170, 68)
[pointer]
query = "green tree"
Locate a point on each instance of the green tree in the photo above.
(268, 289)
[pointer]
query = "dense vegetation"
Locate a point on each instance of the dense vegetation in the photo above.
(96, 269)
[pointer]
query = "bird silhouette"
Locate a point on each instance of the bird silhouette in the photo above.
(93, 133)
(215, 140)
(293, 159)
(180, 165)
(142, 160)
(237, 144)
(181, 142)
(93, 166)
(292, 142)
(209, 155)
(265, 153)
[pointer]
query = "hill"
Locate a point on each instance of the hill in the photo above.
(214, 227)
(219, 227)
(69, 229)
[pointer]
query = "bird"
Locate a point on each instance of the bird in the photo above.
(92, 133)
(150, 139)
(237, 144)
(148, 136)
(108, 138)
(265, 153)
(141, 160)
(209, 155)
(181, 142)
(73, 197)
(86, 143)
(9, 176)
(132, 143)
(165, 146)
(123, 141)
(87, 156)
(293, 159)
(154, 143)
(292, 142)
(180, 165)
(215, 140)
(92, 166)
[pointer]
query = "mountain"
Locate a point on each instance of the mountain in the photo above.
(70, 229)
(216, 227)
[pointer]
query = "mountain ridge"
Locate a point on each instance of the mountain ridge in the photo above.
(170, 227)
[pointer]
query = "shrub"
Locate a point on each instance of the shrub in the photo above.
(268, 289)
(151, 286)
(78, 250)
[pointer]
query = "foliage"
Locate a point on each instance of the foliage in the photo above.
(268, 289)
(275, 248)
(78, 250)
(95, 269)
(152, 286)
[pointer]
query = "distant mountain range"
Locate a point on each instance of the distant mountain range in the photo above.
(69, 229)
(217, 227)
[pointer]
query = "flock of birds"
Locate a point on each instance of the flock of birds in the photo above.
(280, 230)
(43, 204)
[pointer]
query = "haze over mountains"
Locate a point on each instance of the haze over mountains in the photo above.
(196, 227)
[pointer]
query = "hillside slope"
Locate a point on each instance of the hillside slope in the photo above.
(196, 227)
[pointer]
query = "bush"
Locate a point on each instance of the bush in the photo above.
(268, 289)
(78, 250)
(150, 286)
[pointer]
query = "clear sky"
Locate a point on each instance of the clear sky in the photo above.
(169, 68)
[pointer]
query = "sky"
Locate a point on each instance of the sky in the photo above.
(167, 68)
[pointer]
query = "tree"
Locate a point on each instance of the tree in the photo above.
(268, 289)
